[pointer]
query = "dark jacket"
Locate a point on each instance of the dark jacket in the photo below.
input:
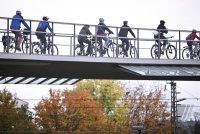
(16, 22)
(102, 28)
(123, 32)
(84, 31)
(161, 29)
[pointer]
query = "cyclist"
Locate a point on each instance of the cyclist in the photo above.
(101, 32)
(82, 38)
(15, 28)
(41, 34)
(123, 32)
(161, 29)
(190, 41)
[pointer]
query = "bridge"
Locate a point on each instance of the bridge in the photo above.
(67, 67)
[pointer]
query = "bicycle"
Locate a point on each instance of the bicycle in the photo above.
(26, 42)
(8, 43)
(83, 52)
(132, 50)
(195, 52)
(170, 50)
(101, 50)
(38, 46)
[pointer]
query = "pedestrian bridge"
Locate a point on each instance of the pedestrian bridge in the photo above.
(67, 67)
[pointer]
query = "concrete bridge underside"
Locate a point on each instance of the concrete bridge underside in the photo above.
(81, 67)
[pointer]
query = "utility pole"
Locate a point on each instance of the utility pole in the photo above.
(173, 107)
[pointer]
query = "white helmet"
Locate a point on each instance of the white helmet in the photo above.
(101, 20)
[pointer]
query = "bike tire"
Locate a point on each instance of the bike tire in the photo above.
(78, 51)
(119, 51)
(133, 52)
(111, 49)
(155, 51)
(53, 50)
(186, 53)
(26, 47)
(36, 49)
(12, 48)
(171, 52)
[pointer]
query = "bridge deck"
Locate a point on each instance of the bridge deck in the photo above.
(82, 67)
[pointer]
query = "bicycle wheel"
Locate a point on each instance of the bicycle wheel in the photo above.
(155, 51)
(119, 51)
(111, 49)
(11, 48)
(53, 50)
(78, 51)
(198, 54)
(133, 52)
(186, 53)
(37, 48)
(171, 52)
(26, 46)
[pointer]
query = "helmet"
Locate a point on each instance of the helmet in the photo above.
(45, 18)
(194, 30)
(86, 26)
(162, 22)
(125, 22)
(101, 20)
(18, 12)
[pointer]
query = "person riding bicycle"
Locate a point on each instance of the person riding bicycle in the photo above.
(82, 38)
(101, 32)
(15, 28)
(190, 41)
(41, 32)
(123, 32)
(161, 29)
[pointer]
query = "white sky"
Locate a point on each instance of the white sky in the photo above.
(178, 14)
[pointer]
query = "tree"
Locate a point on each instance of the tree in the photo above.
(13, 119)
(146, 108)
(107, 92)
(70, 111)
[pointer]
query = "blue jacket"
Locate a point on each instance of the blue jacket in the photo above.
(101, 29)
(43, 25)
(16, 22)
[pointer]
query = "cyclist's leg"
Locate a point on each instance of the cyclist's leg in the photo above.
(89, 48)
(80, 41)
(190, 49)
(106, 39)
(44, 42)
(18, 38)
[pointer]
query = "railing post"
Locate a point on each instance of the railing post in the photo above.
(30, 37)
(117, 48)
(179, 44)
(74, 42)
(159, 47)
(8, 37)
(138, 43)
(52, 37)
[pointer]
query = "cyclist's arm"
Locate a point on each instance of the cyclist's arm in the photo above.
(132, 33)
(197, 37)
(50, 29)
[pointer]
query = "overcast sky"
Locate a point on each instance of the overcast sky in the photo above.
(178, 14)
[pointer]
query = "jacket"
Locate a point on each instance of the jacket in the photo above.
(16, 22)
(102, 28)
(43, 25)
(162, 29)
(123, 32)
(84, 31)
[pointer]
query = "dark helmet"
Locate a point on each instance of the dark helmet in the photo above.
(45, 18)
(101, 20)
(18, 12)
(162, 22)
(125, 22)
(87, 26)
(194, 30)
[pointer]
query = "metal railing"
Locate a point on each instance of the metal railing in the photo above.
(66, 35)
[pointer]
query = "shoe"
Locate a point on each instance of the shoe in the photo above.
(126, 54)
(18, 48)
